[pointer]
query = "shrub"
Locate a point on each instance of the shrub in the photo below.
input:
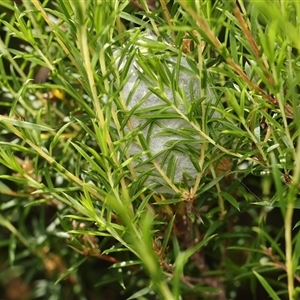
(145, 150)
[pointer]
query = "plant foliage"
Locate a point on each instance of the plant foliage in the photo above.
(149, 150)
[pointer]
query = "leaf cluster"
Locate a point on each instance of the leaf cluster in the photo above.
(144, 153)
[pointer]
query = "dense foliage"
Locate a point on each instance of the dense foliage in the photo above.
(149, 150)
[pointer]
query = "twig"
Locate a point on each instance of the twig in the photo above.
(223, 51)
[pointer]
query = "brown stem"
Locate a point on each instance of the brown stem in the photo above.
(211, 37)
(251, 41)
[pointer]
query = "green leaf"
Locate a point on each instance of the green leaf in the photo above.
(24, 124)
(266, 285)
(140, 293)
(124, 264)
(231, 200)
(212, 183)
(70, 270)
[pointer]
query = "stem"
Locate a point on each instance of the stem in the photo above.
(289, 249)
(223, 51)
